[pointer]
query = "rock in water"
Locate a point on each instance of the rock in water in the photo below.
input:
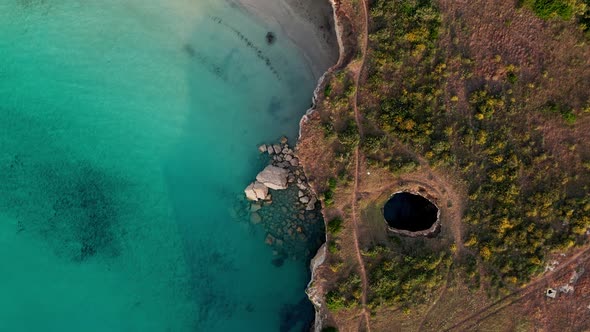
(277, 148)
(256, 191)
(270, 38)
(278, 262)
(273, 177)
(250, 193)
(255, 218)
(255, 207)
(311, 205)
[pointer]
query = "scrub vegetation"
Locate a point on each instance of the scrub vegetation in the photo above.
(578, 10)
(453, 94)
(523, 200)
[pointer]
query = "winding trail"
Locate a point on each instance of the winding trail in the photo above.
(357, 155)
(357, 69)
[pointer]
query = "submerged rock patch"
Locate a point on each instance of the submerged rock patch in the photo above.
(290, 214)
(270, 38)
(72, 206)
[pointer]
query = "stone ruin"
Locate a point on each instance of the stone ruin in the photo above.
(568, 288)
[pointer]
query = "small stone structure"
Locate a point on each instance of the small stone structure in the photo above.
(551, 266)
(566, 289)
(551, 293)
(576, 275)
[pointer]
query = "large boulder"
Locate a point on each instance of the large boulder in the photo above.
(277, 148)
(273, 177)
(311, 204)
(256, 191)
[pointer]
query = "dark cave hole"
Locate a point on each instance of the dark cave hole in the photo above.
(410, 212)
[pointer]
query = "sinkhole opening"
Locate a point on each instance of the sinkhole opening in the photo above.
(410, 212)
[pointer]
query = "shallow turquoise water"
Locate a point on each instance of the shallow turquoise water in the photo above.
(128, 129)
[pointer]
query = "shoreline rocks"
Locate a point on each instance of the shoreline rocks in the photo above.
(273, 177)
(282, 171)
(291, 222)
(256, 191)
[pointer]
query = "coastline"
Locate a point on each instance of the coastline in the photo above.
(324, 54)
(345, 50)
(321, 279)
(315, 288)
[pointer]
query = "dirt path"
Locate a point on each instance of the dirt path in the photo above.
(363, 271)
(472, 321)
(357, 155)
(440, 295)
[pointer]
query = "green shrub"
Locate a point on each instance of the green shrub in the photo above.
(546, 9)
(335, 226)
(335, 300)
(328, 198)
(327, 90)
(332, 183)
(569, 117)
(333, 247)
(512, 77)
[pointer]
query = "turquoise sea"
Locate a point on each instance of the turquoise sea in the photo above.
(128, 131)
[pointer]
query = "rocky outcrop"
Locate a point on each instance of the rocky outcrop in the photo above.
(256, 191)
(293, 220)
(284, 169)
(273, 177)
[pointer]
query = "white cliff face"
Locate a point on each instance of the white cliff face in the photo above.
(314, 291)
(273, 177)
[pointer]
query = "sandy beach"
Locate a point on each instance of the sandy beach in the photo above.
(308, 23)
